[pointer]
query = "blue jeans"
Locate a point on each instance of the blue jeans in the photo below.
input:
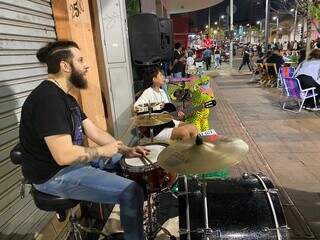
(88, 183)
(177, 75)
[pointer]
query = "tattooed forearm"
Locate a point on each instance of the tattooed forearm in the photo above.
(91, 153)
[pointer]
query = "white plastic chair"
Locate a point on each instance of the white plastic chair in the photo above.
(292, 88)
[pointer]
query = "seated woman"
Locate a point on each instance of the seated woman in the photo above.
(308, 72)
(176, 130)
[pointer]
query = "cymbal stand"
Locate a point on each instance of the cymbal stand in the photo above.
(151, 128)
(185, 180)
(207, 232)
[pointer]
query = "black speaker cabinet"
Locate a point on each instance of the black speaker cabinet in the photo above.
(166, 39)
(144, 37)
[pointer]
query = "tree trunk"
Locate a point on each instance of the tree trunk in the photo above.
(309, 22)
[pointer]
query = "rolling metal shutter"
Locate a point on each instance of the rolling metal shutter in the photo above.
(25, 26)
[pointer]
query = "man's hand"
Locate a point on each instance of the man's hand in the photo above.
(137, 151)
(110, 149)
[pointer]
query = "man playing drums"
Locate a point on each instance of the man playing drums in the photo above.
(51, 134)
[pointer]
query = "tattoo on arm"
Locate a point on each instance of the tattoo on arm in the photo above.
(91, 153)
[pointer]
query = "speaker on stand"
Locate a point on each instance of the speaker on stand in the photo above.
(144, 37)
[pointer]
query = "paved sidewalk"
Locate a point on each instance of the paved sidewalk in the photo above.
(283, 145)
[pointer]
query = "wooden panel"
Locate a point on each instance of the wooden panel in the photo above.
(73, 22)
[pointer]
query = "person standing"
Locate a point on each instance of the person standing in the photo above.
(217, 57)
(178, 61)
(245, 59)
(207, 57)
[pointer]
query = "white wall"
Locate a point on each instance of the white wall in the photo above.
(148, 6)
(113, 48)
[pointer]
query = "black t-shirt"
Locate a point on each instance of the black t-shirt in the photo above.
(179, 66)
(278, 60)
(44, 113)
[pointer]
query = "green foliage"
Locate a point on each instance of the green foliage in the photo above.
(133, 7)
(315, 10)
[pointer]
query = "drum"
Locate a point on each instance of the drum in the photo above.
(237, 209)
(150, 177)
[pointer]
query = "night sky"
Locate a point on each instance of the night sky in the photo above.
(243, 15)
(200, 18)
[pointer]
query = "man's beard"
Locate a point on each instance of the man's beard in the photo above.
(77, 79)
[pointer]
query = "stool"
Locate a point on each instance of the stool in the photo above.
(50, 203)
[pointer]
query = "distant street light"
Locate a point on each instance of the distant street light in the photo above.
(219, 26)
(292, 10)
(295, 23)
(207, 26)
(260, 24)
(215, 23)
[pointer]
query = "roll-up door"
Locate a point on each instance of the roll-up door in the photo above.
(25, 26)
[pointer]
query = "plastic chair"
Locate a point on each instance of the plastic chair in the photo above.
(284, 72)
(292, 88)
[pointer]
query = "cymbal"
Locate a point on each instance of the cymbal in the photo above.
(187, 157)
(153, 119)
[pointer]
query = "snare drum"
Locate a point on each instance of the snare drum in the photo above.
(151, 177)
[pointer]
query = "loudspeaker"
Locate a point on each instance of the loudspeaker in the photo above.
(144, 37)
(166, 39)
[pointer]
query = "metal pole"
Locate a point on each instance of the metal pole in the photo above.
(219, 29)
(277, 37)
(295, 23)
(209, 20)
(267, 30)
(231, 34)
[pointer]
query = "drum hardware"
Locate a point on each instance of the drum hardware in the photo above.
(183, 156)
(234, 212)
(193, 192)
(151, 119)
(275, 218)
(152, 226)
(266, 229)
(245, 175)
(270, 190)
(154, 180)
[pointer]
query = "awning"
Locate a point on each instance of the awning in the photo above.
(182, 6)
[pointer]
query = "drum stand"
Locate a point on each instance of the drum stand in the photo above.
(152, 226)
(207, 233)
